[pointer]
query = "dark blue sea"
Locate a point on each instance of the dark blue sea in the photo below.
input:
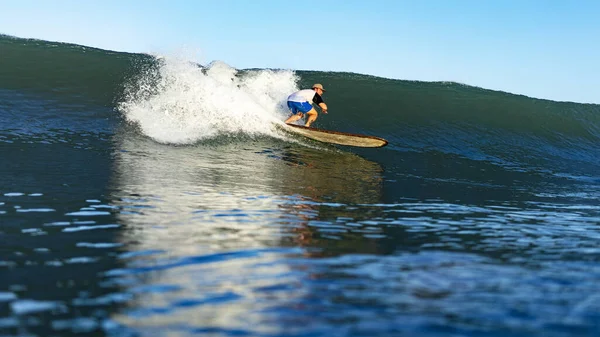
(144, 195)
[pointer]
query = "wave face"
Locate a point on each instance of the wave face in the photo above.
(175, 101)
(149, 195)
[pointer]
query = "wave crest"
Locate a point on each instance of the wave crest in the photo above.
(176, 101)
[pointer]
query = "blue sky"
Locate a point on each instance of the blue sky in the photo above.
(540, 48)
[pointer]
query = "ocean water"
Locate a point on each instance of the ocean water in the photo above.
(150, 196)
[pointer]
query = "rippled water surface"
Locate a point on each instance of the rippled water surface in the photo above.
(480, 218)
(248, 239)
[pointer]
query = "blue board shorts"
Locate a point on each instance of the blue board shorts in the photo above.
(297, 107)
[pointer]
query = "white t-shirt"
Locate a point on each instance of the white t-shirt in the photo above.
(306, 95)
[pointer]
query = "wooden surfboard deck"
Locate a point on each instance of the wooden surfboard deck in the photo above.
(336, 137)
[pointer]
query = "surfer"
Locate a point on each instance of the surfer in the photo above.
(300, 103)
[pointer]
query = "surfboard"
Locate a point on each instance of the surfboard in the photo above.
(336, 137)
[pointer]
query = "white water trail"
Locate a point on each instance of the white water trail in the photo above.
(180, 102)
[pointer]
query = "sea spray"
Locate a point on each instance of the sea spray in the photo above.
(180, 102)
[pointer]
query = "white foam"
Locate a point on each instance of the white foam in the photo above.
(182, 103)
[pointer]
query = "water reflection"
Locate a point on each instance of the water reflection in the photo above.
(254, 237)
(211, 231)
